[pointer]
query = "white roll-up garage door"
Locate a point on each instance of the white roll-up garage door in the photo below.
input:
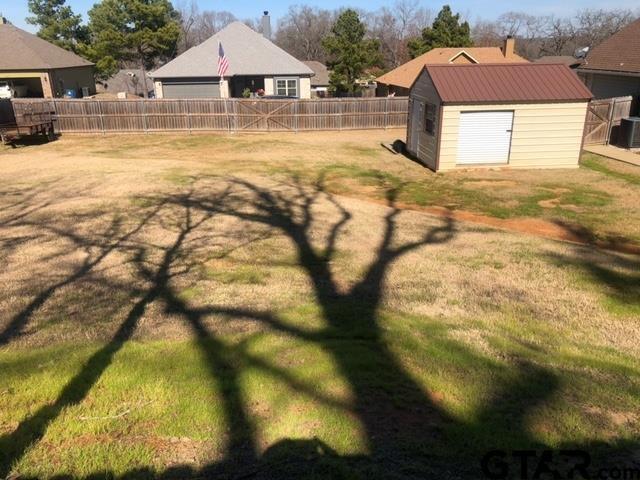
(484, 137)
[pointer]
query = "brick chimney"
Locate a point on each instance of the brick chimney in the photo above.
(266, 25)
(509, 47)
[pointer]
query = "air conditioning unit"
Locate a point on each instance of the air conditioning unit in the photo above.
(629, 133)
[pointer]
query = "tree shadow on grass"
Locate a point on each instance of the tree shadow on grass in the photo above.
(113, 239)
(404, 428)
(615, 274)
(408, 433)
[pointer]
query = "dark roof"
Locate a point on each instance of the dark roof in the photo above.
(122, 81)
(321, 74)
(248, 52)
(23, 51)
(619, 53)
(567, 60)
(509, 83)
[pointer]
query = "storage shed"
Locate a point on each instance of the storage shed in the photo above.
(497, 115)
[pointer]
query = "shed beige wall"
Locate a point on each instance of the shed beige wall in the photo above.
(425, 150)
(545, 135)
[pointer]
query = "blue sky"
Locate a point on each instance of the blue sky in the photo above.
(16, 10)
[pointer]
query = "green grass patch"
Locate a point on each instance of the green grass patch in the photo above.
(598, 164)
(240, 274)
(483, 376)
(179, 176)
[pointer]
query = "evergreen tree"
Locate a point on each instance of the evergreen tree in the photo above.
(135, 31)
(350, 52)
(58, 24)
(446, 31)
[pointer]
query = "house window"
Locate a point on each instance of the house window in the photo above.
(287, 87)
(429, 118)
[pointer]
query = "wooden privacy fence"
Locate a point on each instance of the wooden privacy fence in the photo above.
(603, 119)
(230, 115)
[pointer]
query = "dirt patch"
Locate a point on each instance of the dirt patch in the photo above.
(182, 450)
(557, 190)
(531, 226)
(542, 228)
(557, 202)
(491, 183)
(550, 203)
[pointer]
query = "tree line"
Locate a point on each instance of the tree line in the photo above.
(146, 33)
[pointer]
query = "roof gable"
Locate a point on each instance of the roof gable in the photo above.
(320, 73)
(464, 54)
(405, 75)
(248, 52)
(508, 83)
(24, 51)
(619, 53)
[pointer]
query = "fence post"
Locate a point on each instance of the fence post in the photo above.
(144, 117)
(235, 115)
(101, 117)
(386, 113)
(187, 113)
(341, 113)
(226, 112)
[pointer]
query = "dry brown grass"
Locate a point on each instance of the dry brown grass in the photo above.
(78, 195)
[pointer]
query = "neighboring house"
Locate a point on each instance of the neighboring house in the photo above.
(320, 79)
(399, 80)
(129, 80)
(255, 63)
(612, 69)
(518, 116)
(46, 70)
(568, 60)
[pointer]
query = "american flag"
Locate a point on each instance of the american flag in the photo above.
(223, 63)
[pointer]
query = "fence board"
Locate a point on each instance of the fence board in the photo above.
(165, 115)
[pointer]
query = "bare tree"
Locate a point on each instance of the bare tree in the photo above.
(301, 31)
(595, 25)
(528, 30)
(560, 37)
(393, 27)
(197, 26)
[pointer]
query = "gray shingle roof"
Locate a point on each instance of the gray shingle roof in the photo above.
(23, 51)
(248, 52)
(321, 77)
(124, 82)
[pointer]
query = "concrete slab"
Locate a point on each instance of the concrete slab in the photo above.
(616, 153)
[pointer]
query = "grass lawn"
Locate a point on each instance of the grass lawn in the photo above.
(283, 306)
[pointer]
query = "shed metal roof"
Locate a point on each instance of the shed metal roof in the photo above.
(248, 52)
(507, 83)
(24, 51)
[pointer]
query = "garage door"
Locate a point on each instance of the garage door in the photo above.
(484, 137)
(191, 90)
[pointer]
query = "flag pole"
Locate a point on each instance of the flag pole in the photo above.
(226, 109)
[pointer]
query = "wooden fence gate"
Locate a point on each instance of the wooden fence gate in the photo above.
(603, 117)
